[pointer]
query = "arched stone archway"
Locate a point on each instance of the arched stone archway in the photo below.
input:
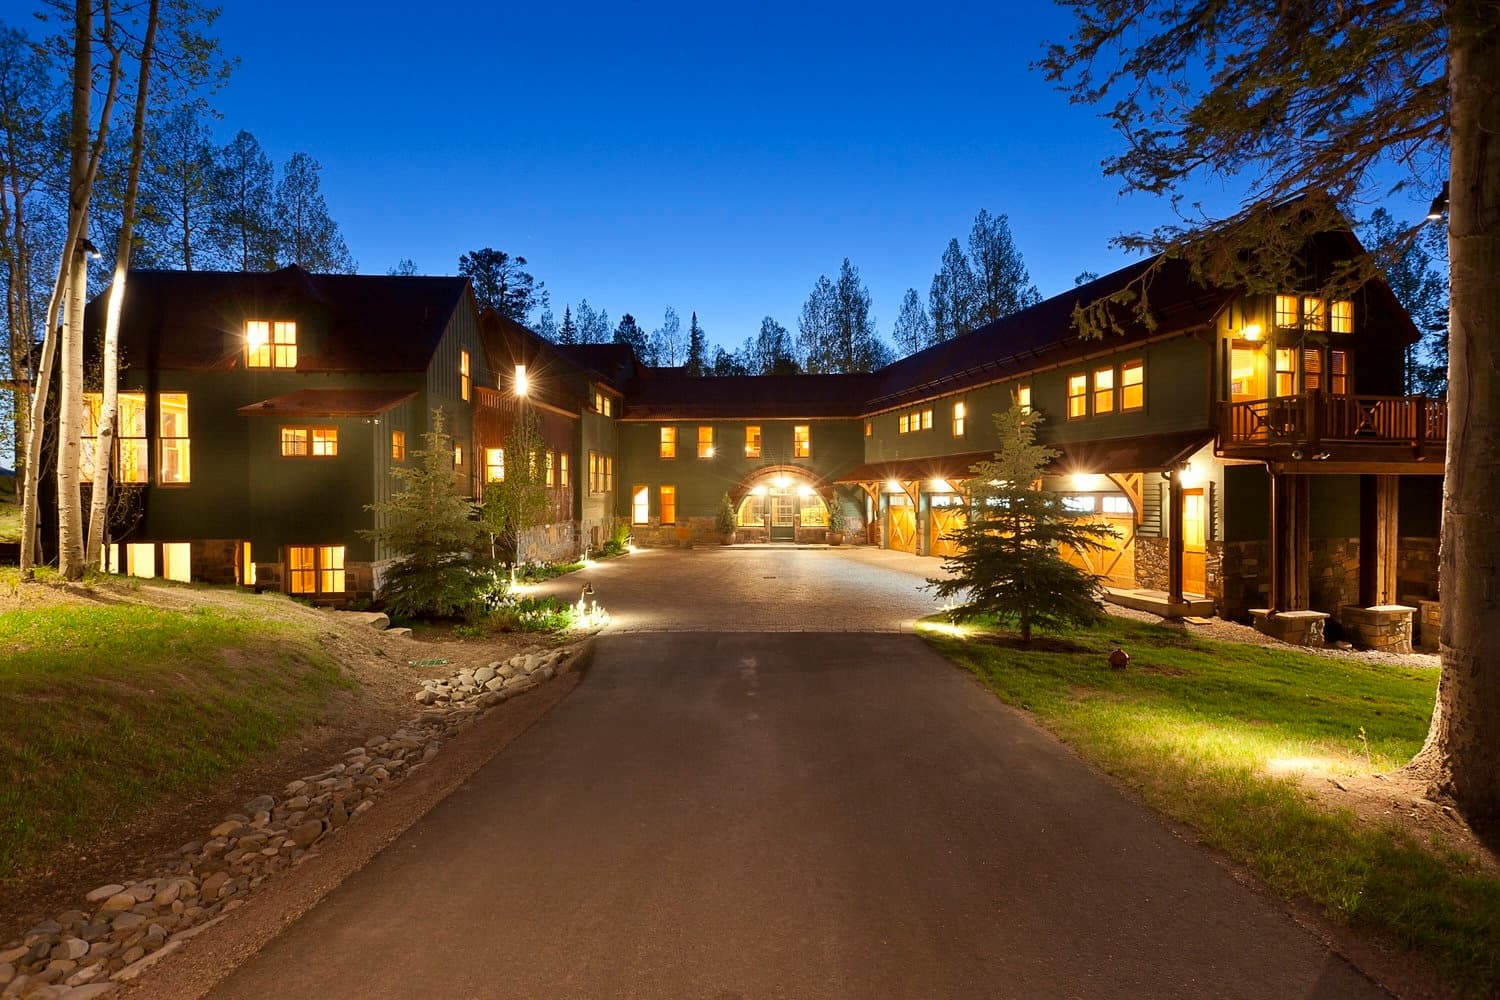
(771, 504)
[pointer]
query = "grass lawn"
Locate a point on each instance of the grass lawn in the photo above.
(1210, 734)
(108, 708)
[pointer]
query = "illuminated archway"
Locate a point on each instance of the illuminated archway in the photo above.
(776, 499)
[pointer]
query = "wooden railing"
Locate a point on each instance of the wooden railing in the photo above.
(1316, 418)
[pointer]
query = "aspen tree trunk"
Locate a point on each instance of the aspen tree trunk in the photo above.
(70, 424)
(1462, 753)
(109, 408)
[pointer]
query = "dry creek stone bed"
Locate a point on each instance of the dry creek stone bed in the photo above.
(122, 929)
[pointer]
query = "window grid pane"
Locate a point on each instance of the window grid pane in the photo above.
(325, 442)
(752, 442)
(705, 442)
(668, 442)
(293, 442)
(1078, 400)
(1104, 390)
(494, 465)
(398, 446)
(331, 570)
(669, 504)
(302, 565)
(640, 504)
(802, 441)
(1133, 385)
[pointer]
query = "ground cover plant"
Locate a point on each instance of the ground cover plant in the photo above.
(108, 708)
(1214, 734)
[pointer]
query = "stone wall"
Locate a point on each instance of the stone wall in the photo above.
(1152, 562)
(213, 561)
(1417, 568)
(1386, 628)
(1244, 578)
(1332, 573)
(551, 543)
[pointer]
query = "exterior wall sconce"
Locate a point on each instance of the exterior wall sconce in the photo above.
(523, 384)
(1251, 331)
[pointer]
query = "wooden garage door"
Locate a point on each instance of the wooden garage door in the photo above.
(902, 535)
(1115, 564)
(945, 521)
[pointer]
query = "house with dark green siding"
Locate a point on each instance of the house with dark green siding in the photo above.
(1255, 452)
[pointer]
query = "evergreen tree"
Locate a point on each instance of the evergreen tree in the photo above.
(520, 501)
(815, 327)
(697, 361)
(854, 347)
(305, 233)
(950, 299)
(630, 333)
(568, 332)
(1002, 284)
(666, 341)
(770, 351)
(546, 324)
(913, 328)
(1084, 277)
(1416, 270)
(501, 282)
(178, 193)
(728, 362)
(593, 325)
(1009, 564)
(403, 268)
(431, 529)
(242, 226)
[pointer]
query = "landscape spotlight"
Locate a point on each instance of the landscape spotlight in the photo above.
(1439, 204)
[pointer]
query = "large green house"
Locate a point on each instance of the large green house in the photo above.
(1255, 452)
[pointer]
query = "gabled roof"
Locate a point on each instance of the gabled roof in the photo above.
(614, 364)
(665, 393)
(328, 403)
(196, 319)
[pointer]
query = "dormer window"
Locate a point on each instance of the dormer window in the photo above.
(270, 344)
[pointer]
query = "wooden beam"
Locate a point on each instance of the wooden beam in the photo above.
(1378, 530)
(1174, 538)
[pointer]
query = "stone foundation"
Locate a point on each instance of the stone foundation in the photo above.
(1333, 572)
(1429, 626)
(1152, 563)
(551, 543)
(1384, 627)
(1244, 578)
(1417, 568)
(1299, 628)
(213, 561)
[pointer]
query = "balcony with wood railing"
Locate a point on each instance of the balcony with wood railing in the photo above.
(1319, 426)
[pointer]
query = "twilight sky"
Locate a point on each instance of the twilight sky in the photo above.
(710, 157)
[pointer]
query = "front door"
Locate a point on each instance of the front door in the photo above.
(783, 525)
(902, 517)
(1194, 535)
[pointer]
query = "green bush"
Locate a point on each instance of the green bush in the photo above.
(533, 614)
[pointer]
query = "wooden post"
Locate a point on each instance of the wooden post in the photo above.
(1174, 537)
(1378, 531)
(1289, 542)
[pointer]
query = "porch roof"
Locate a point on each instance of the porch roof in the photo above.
(328, 403)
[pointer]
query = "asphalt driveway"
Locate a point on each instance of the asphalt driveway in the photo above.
(780, 813)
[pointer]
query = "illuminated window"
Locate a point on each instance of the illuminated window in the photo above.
(1313, 316)
(325, 442)
(551, 465)
(668, 505)
(463, 375)
(813, 514)
(1338, 373)
(927, 419)
(802, 441)
(752, 512)
(132, 465)
(458, 455)
(1286, 310)
(175, 467)
(594, 472)
(562, 470)
(177, 561)
(1286, 371)
(246, 567)
(1115, 503)
(602, 403)
(1312, 369)
(522, 382)
(640, 504)
(398, 445)
(1133, 385)
(270, 345)
(1104, 390)
(903, 424)
(869, 428)
(1342, 316)
(959, 416)
(1023, 397)
(601, 473)
(752, 441)
(668, 446)
(140, 559)
(315, 569)
(705, 442)
(1079, 504)
(1078, 396)
(609, 473)
(494, 465)
(294, 442)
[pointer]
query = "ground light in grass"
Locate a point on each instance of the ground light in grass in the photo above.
(1213, 733)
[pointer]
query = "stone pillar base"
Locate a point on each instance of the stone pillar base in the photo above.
(1299, 628)
(1384, 627)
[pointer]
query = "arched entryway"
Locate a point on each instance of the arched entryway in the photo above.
(781, 504)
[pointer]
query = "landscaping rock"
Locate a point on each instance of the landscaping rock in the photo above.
(103, 892)
(306, 834)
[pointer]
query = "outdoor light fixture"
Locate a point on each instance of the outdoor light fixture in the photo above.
(1080, 480)
(781, 482)
(1251, 331)
(1188, 475)
(523, 384)
(804, 490)
(92, 252)
(1296, 454)
(893, 486)
(1439, 204)
(758, 491)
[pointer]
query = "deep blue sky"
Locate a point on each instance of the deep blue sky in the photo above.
(712, 158)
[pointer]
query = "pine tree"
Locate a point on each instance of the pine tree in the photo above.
(1417, 272)
(697, 356)
(950, 299)
(1009, 564)
(1002, 284)
(913, 328)
(568, 332)
(629, 332)
(429, 526)
(242, 226)
(306, 234)
(546, 324)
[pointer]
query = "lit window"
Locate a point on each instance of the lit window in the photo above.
(270, 345)
(315, 569)
(1338, 372)
(1133, 385)
(325, 442)
(752, 512)
(1343, 316)
(812, 513)
(903, 424)
(669, 505)
(140, 559)
(752, 441)
(593, 472)
(1023, 397)
(177, 561)
(294, 442)
(1313, 316)
(1078, 396)
(959, 415)
(1078, 505)
(1104, 390)
(551, 465)
(1286, 372)
(801, 441)
(927, 419)
(246, 567)
(175, 468)
(1312, 369)
(869, 428)
(1116, 503)
(463, 374)
(132, 464)
(398, 445)
(602, 403)
(640, 504)
(458, 455)
(668, 446)
(562, 470)
(705, 442)
(494, 465)
(522, 383)
(1286, 310)
(609, 473)
(331, 569)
